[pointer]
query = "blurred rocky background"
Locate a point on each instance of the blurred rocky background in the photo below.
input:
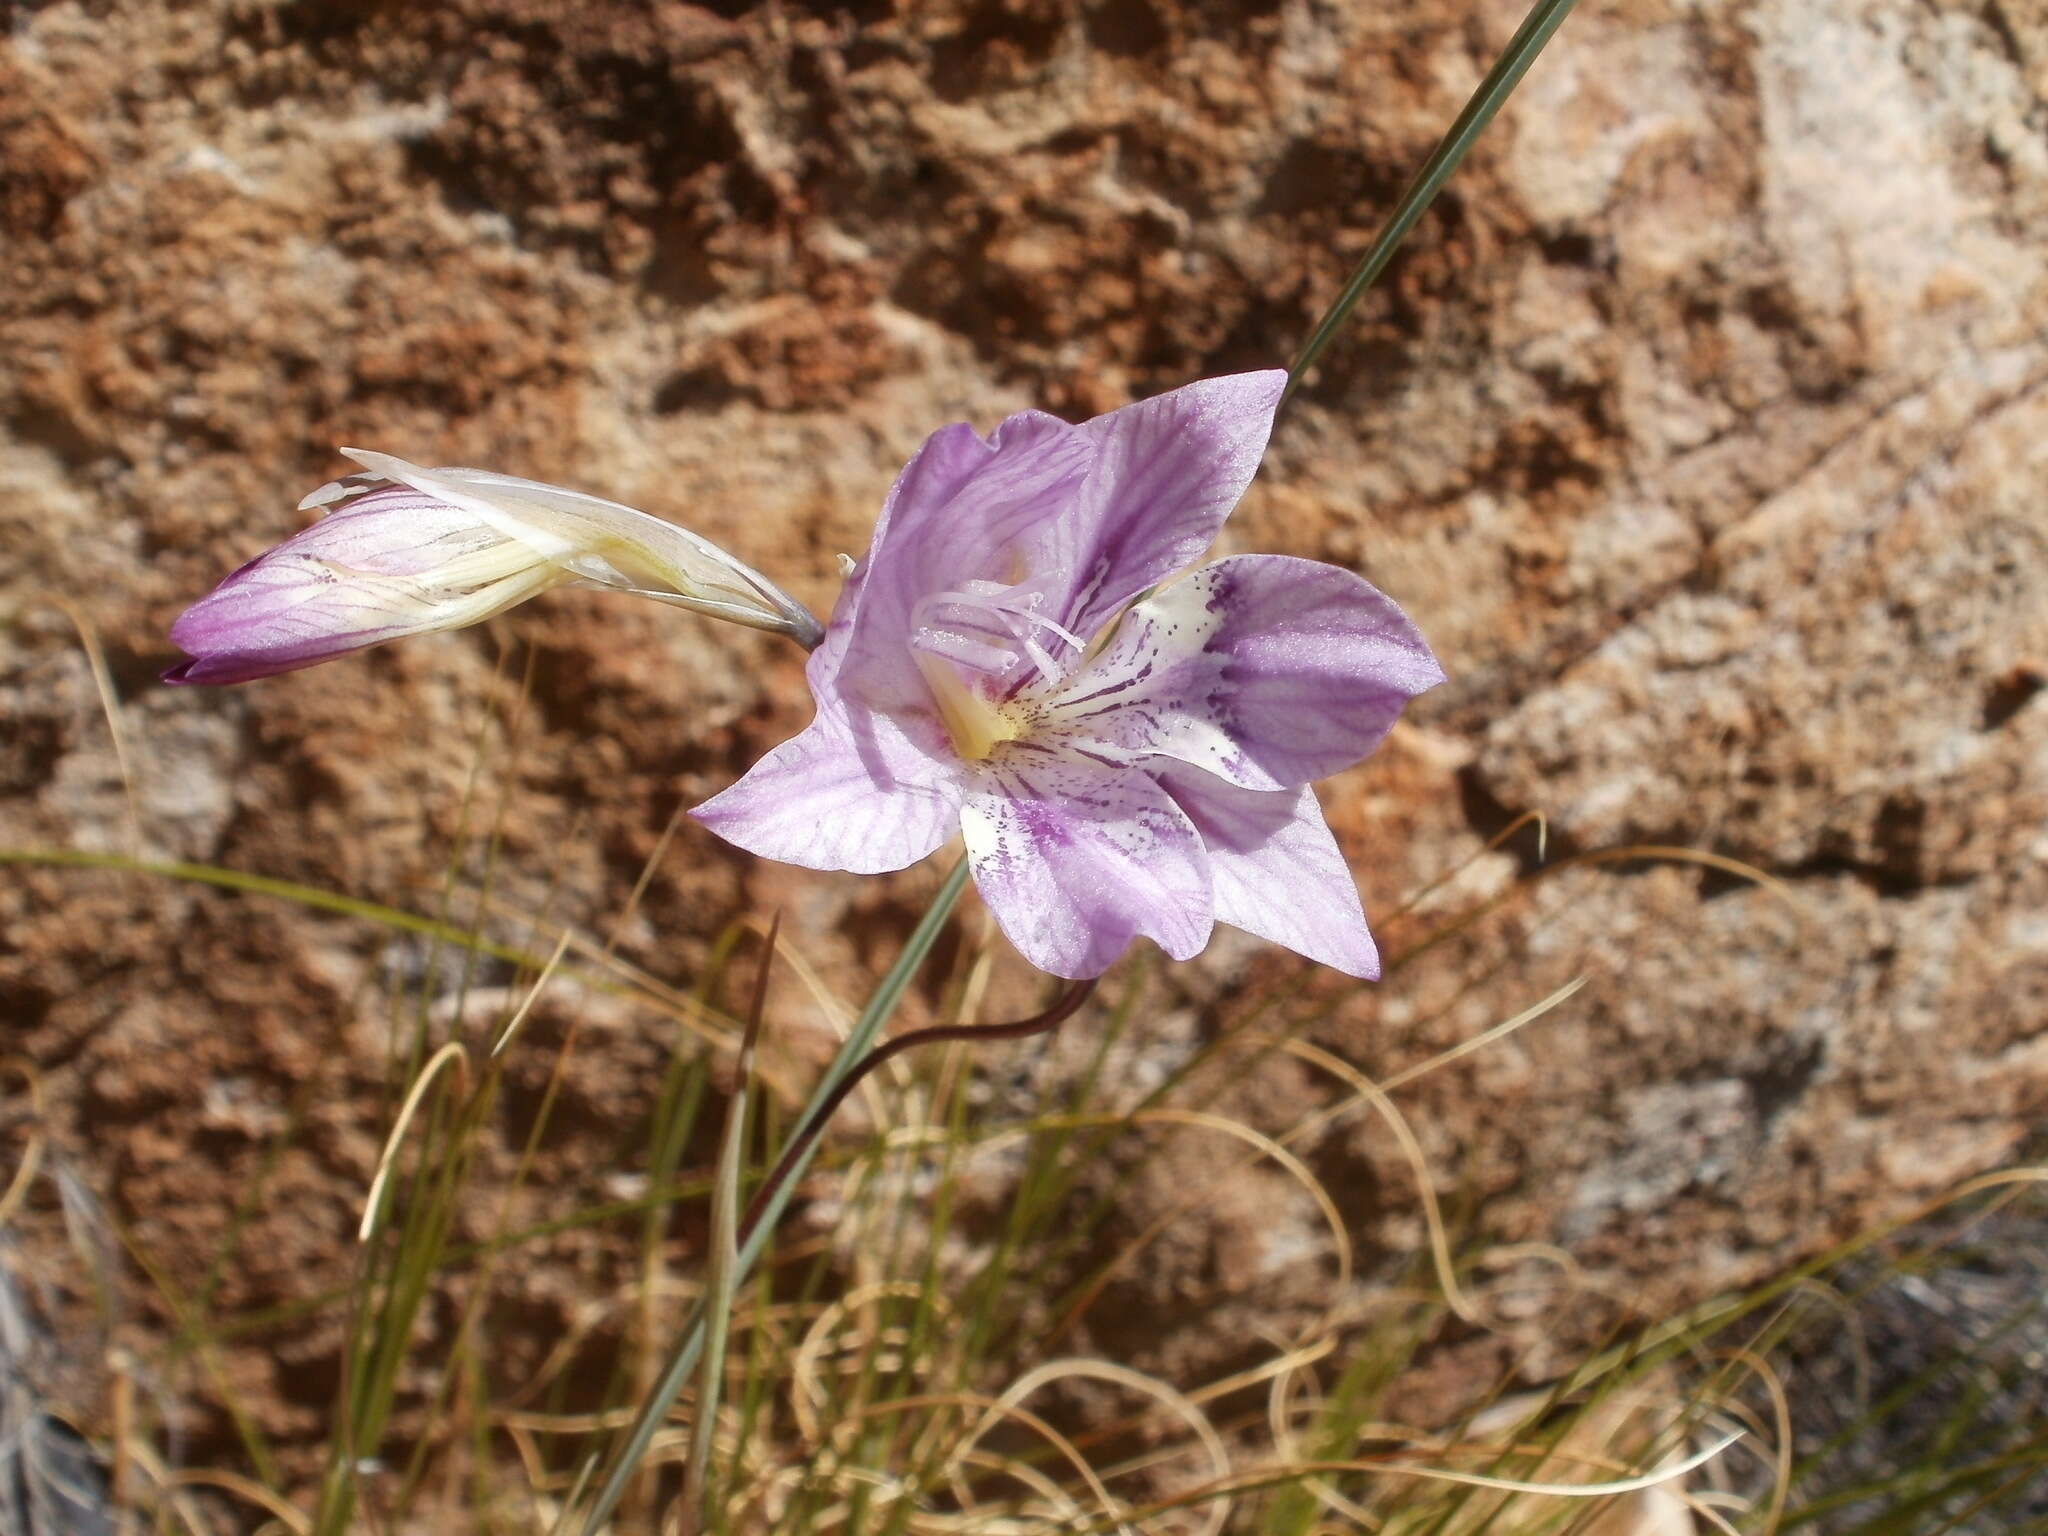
(1702, 426)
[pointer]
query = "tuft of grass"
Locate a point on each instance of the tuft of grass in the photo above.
(906, 1359)
(1927, 1403)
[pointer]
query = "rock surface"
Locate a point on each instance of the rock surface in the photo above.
(1703, 427)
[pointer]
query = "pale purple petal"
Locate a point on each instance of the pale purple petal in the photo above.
(375, 570)
(1084, 517)
(1075, 861)
(1167, 472)
(1277, 870)
(1265, 670)
(958, 513)
(850, 792)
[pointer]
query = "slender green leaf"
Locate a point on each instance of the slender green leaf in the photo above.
(1544, 18)
(690, 1346)
(722, 1279)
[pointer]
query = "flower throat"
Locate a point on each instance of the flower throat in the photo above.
(990, 633)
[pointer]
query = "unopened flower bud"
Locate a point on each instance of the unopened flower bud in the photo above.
(407, 550)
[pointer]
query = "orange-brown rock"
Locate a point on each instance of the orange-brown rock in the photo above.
(1701, 427)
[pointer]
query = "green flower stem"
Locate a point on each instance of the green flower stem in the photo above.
(626, 1460)
(797, 1152)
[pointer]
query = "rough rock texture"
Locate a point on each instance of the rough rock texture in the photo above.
(1703, 427)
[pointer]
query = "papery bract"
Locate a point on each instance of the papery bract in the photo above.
(1122, 761)
(406, 550)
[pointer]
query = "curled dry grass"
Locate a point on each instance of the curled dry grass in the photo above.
(900, 1378)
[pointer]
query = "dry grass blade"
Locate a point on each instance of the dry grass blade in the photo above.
(1009, 1408)
(513, 1024)
(110, 707)
(1485, 1038)
(1493, 844)
(807, 1391)
(1670, 853)
(1273, 1477)
(451, 1054)
(1781, 1417)
(1097, 1370)
(177, 1500)
(1367, 1091)
(287, 1515)
(32, 1154)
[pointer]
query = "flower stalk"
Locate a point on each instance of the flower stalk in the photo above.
(625, 1460)
(798, 1150)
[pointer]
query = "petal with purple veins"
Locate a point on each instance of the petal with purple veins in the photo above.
(1264, 670)
(962, 512)
(1075, 861)
(851, 792)
(1166, 473)
(390, 563)
(1278, 872)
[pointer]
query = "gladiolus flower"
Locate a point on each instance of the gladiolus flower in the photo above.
(406, 550)
(1122, 761)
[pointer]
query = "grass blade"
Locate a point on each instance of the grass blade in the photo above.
(723, 1277)
(690, 1347)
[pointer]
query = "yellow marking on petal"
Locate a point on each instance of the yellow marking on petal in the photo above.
(463, 590)
(484, 567)
(976, 725)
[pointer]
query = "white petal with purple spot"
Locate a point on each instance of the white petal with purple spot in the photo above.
(1264, 670)
(1075, 861)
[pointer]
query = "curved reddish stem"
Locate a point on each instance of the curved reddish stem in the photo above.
(1039, 1023)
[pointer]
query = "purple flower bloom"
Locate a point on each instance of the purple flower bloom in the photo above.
(406, 550)
(1121, 760)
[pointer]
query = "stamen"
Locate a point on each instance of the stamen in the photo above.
(1040, 658)
(986, 628)
(950, 623)
(1057, 628)
(964, 649)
